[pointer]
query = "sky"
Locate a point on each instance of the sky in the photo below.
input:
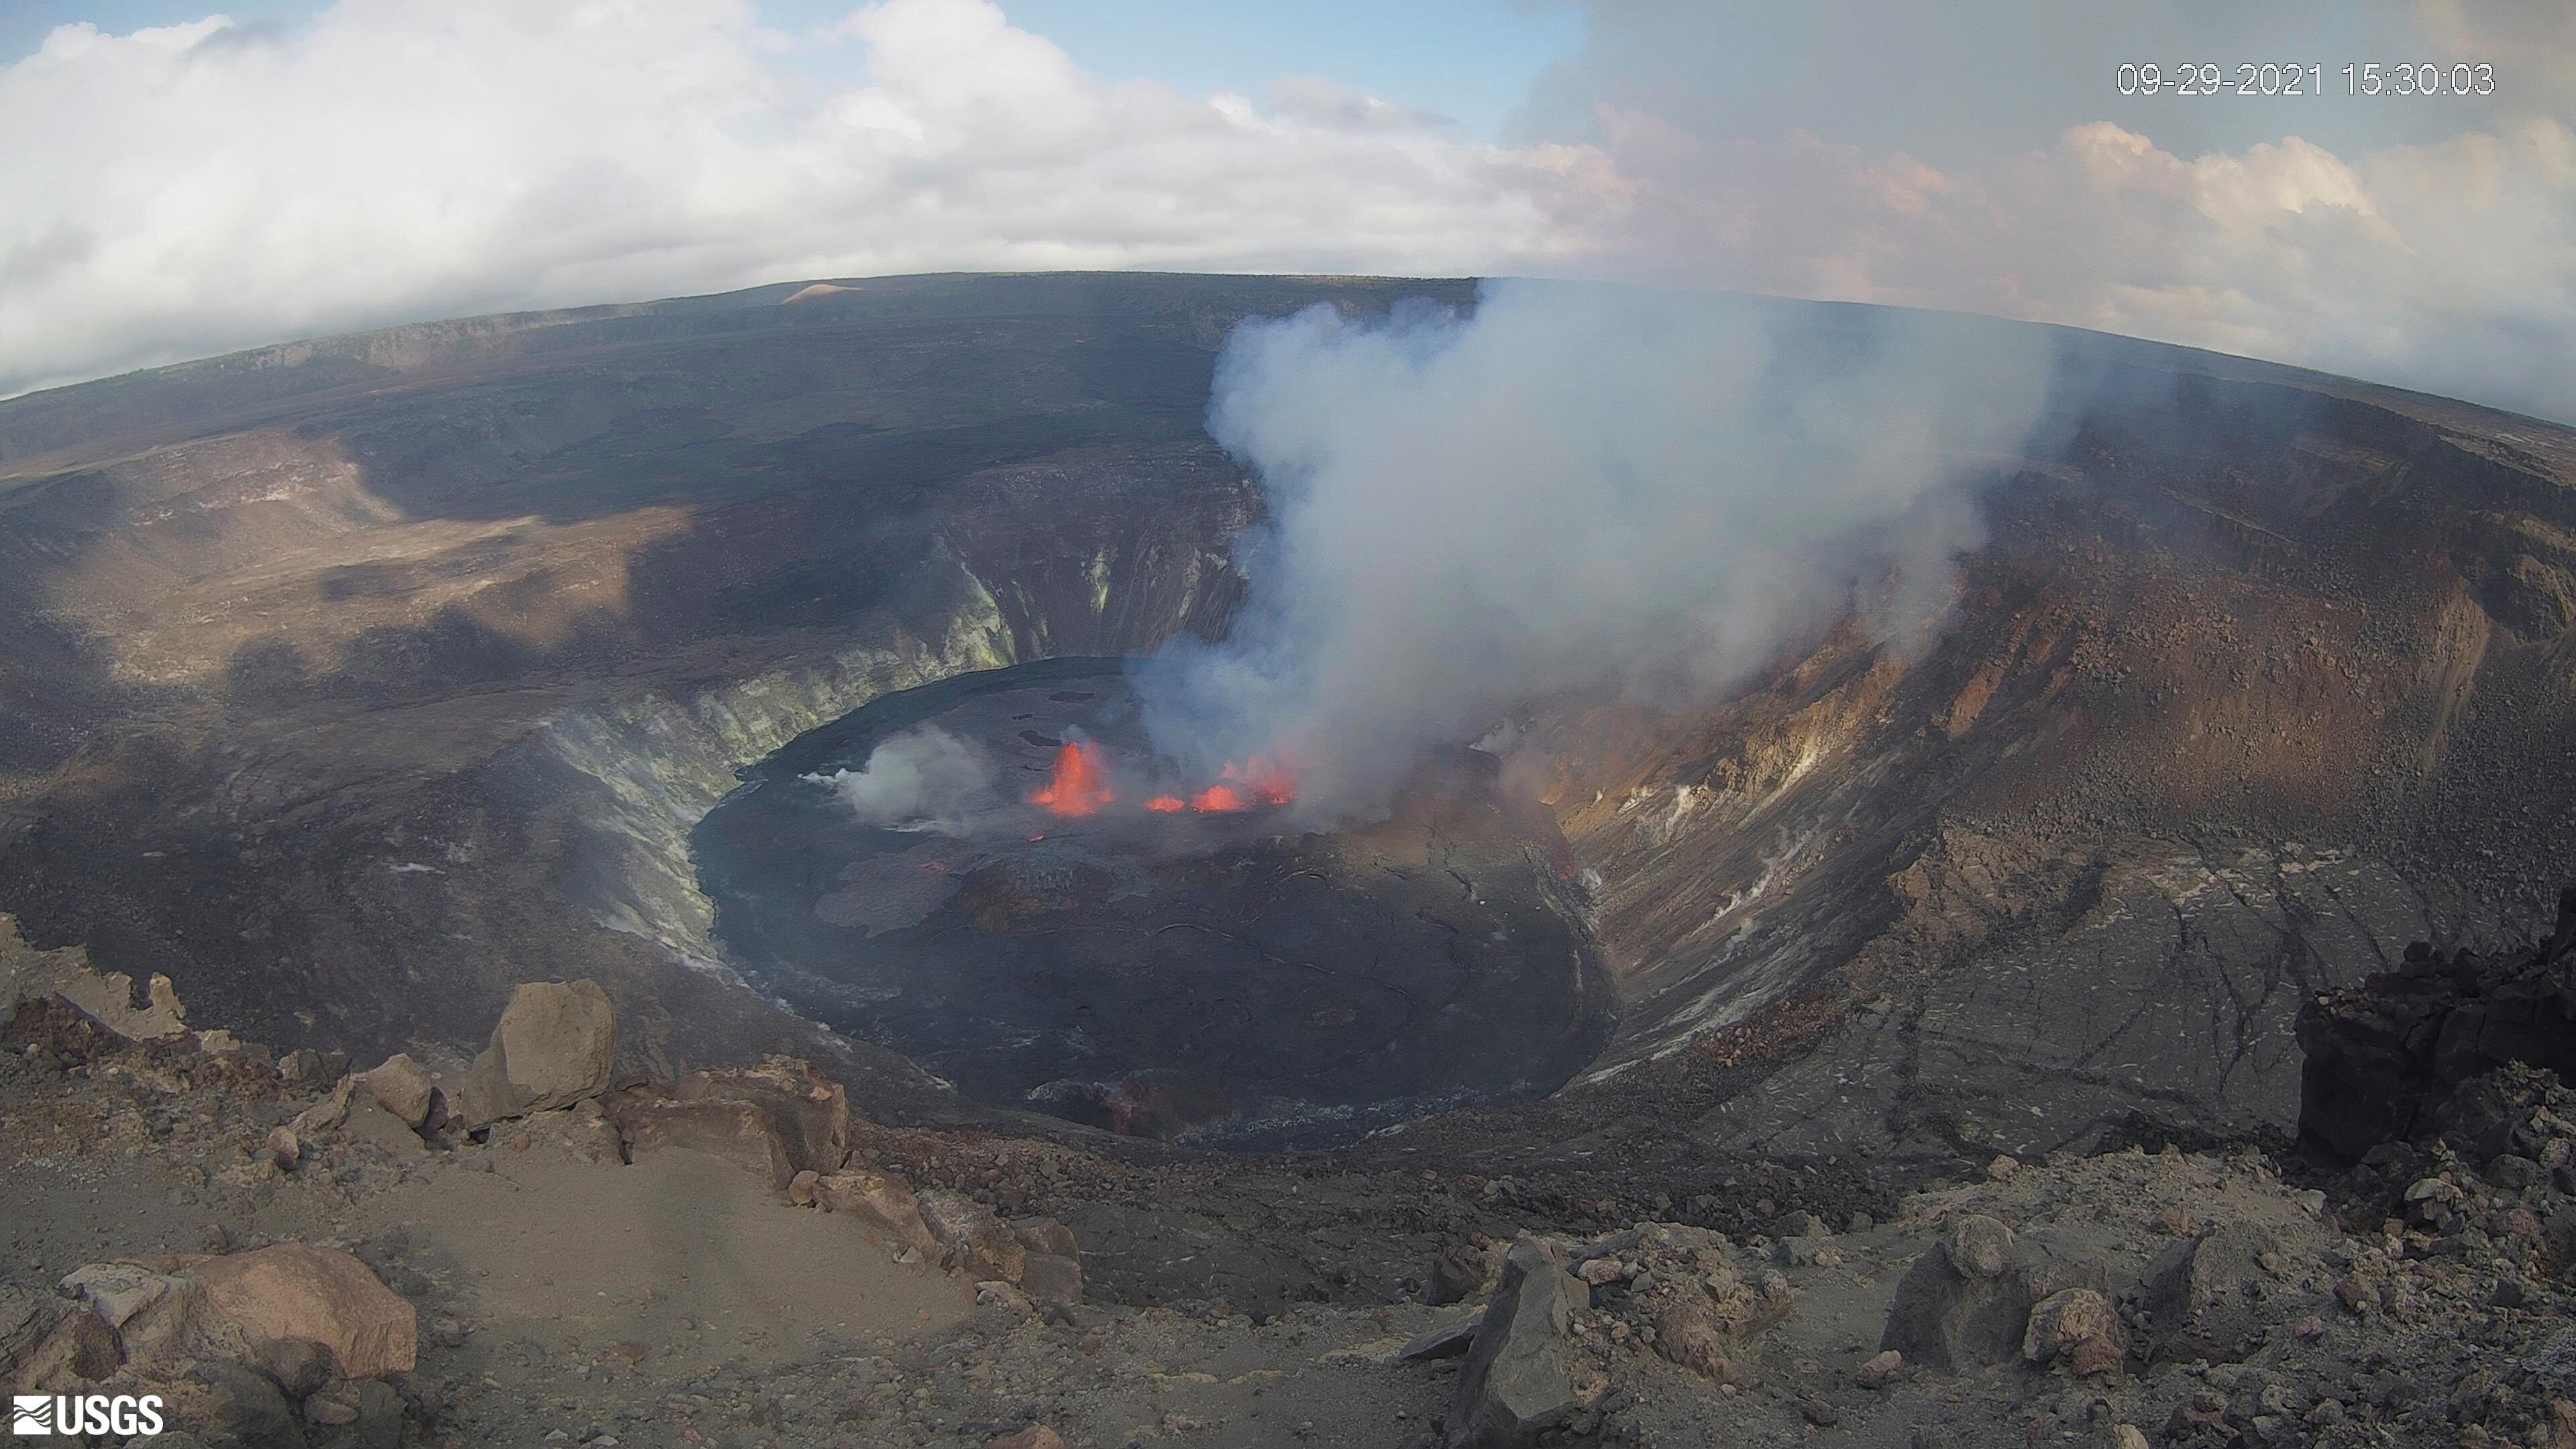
(204, 181)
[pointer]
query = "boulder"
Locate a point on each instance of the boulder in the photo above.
(296, 1365)
(25, 1319)
(1518, 1381)
(1880, 1371)
(242, 1407)
(1447, 1339)
(1456, 1273)
(1978, 1245)
(2077, 1324)
(153, 1310)
(367, 1412)
(1051, 1280)
(369, 1121)
(293, 1291)
(1035, 1436)
(883, 1207)
(1046, 1235)
(554, 1046)
(478, 1098)
(582, 1131)
(81, 1348)
(557, 1041)
(809, 1111)
(325, 1115)
(401, 1086)
(119, 1292)
(740, 1132)
(971, 1239)
(1687, 1333)
(2197, 1286)
(1968, 1298)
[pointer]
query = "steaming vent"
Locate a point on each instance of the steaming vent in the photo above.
(996, 877)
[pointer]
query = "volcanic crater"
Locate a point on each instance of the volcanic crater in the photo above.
(1161, 958)
(366, 678)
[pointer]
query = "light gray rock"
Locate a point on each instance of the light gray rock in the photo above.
(325, 1115)
(119, 1291)
(973, 1240)
(554, 1046)
(401, 1086)
(1978, 1245)
(883, 1206)
(557, 1040)
(1518, 1382)
(368, 1121)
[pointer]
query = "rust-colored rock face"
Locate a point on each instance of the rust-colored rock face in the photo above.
(2227, 709)
(293, 1292)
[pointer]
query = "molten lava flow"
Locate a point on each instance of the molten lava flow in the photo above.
(1257, 779)
(1273, 781)
(1078, 786)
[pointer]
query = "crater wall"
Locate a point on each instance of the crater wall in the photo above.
(358, 680)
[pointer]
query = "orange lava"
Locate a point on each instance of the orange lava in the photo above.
(1079, 786)
(1266, 778)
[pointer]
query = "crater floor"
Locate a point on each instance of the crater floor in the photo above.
(1212, 975)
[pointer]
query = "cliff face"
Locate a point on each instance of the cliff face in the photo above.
(355, 702)
(363, 678)
(2250, 686)
(2388, 1060)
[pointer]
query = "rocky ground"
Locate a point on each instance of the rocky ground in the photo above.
(522, 1250)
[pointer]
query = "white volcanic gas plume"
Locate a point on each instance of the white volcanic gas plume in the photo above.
(922, 779)
(1574, 489)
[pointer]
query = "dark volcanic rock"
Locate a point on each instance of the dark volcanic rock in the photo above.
(2198, 1287)
(1967, 1300)
(1518, 1383)
(2381, 1055)
(244, 1408)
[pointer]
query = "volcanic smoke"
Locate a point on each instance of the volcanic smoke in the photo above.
(1574, 492)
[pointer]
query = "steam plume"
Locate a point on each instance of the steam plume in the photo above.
(922, 779)
(1573, 489)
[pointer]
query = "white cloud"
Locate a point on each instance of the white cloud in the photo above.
(210, 186)
(2449, 267)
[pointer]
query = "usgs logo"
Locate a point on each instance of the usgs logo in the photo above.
(85, 1414)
